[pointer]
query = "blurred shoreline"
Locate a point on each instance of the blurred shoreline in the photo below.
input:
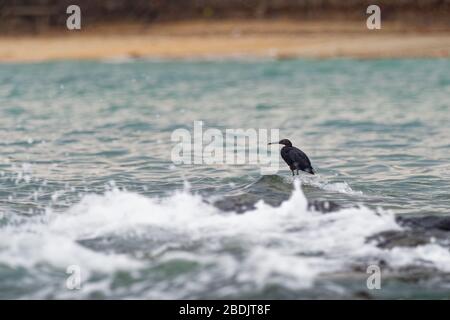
(199, 39)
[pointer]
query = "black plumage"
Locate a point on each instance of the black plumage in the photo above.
(295, 158)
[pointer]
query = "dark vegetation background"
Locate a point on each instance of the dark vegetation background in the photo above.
(24, 16)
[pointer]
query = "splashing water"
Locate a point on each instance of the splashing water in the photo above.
(287, 246)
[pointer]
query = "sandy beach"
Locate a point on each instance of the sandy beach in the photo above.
(200, 39)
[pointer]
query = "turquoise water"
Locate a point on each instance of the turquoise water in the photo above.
(86, 177)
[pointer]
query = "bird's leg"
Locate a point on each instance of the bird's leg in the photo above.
(293, 174)
(297, 171)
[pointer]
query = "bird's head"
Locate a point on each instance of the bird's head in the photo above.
(285, 142)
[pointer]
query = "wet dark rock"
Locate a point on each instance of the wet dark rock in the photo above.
(323, 206)
(243, 203)
(239, 204)
(434, 222)
(391, 239)
(417, 231)
(273, 190)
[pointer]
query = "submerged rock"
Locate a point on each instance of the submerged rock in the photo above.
(434, 222)
(238, 204)
(273, 190)
(244, 203)
(391, 239)
(323, 206)
(417, 231)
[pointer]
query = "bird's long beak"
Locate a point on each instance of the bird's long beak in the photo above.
(272, 143)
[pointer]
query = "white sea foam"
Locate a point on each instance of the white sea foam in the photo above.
(341, 187)
(286, 245)
(322, 183)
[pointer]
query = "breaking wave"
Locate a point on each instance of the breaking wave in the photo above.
(181, 246)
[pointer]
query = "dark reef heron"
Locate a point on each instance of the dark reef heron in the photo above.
(295, 158)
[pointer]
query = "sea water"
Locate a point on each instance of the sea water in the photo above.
(87, 179)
